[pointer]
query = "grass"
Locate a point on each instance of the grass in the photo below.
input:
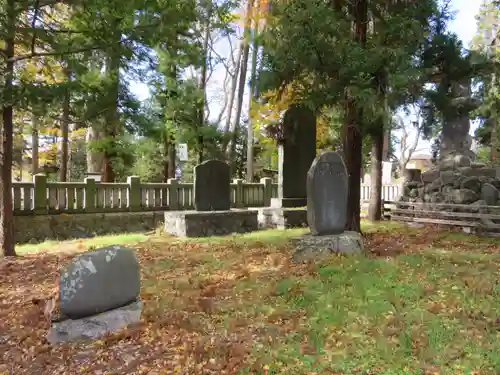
(423, 302)
(266, 236)
(71, 245)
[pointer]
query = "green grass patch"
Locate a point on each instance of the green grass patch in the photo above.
(432, 308)
(78, 244)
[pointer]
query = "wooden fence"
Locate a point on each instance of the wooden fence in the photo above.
(470, 218)
(42, 197)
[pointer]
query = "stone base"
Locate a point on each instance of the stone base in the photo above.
(288, 202)
(96, 326)
(309, 247)
(282, 218)
(210, 223)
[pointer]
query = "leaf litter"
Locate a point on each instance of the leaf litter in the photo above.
(208, 309)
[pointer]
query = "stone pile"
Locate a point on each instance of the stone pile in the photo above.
(98, 294)
(327, 192)
(455, 180)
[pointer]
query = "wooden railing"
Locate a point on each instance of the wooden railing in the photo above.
(480, 219)
(41, 197)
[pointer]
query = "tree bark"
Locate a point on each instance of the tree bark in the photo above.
(352, 146)
(375, 207)
(63, 170)
(203, 82)
(169, 155)
(253, 96)
(353, 139)
(35, 158)
(94, 157)
(6, 215)
(112, 119)
(242, 82)
(234, 84)
(171, 159)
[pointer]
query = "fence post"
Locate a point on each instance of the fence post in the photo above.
(173, 194)
(238, 196)
(89, 197)
(268, 190)
(40, 194)
(134, 193)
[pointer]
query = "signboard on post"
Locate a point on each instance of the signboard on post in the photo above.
(182, 152)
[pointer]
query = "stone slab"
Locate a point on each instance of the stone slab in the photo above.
(213, 223)
(96, 326)
(98, 281)
(282, 218)
(327, 191)
(309, 247)
(211, 186)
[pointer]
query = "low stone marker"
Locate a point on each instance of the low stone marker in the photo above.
(327, 211)
(98, 294)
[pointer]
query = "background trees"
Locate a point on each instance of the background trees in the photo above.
(216, 73)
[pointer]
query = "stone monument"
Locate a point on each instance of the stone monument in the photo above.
(296, 138)
(212, 186)
(213, 215)
(327, 191)
(296, 152)
(98, 294)
(456, 178)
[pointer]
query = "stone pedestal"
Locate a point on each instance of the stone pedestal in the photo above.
(210, 223)
(282, 218)
(288, 202)
(96, 326)
(309, 247)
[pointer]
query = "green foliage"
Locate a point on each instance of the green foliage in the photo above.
(487, 44)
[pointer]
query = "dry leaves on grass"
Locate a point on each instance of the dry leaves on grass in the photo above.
(181, 330)
(199, 316)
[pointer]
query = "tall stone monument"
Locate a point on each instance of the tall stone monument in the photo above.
(456, 122)
(327, 191)
(456, 178)
(296, 151)
(212, 186)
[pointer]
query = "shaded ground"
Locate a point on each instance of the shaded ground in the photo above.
(423, 302)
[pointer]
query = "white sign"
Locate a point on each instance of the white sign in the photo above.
(182, 151)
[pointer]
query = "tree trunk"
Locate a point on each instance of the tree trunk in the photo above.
(35, 158)
(375, 207)
(112, 119)
(169, 155)
(63, 171)
(203, 81)
(353, 139)
(6, 215)
(234, 84)
(353, 147)
(94, 158)
(387, 141)
(253, 96)
(171, 159)
(242, 82)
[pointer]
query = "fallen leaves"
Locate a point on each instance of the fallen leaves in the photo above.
(207, 307)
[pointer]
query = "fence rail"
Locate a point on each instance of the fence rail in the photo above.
(479, 219)
(42, 197)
